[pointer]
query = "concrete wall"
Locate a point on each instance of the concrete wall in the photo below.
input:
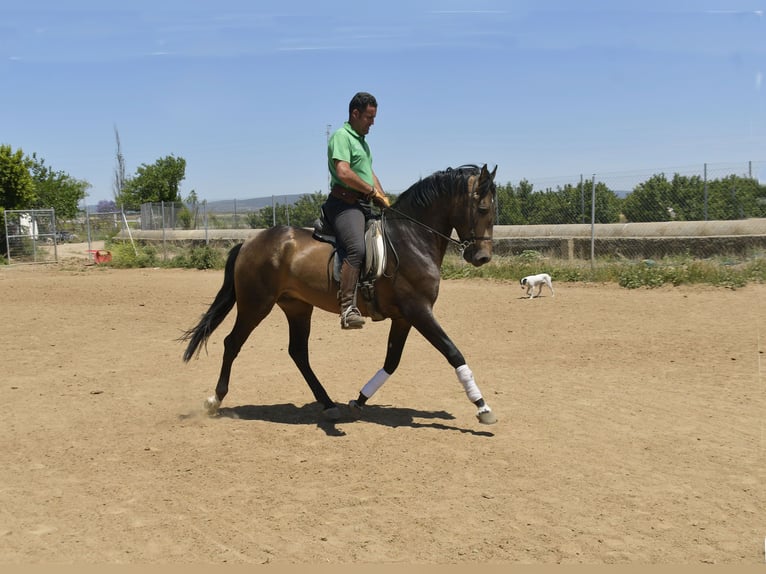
(629, 240)
(634, 240)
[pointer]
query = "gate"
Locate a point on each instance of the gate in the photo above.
(30, 236)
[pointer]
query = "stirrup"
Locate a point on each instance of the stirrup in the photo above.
(351, 318)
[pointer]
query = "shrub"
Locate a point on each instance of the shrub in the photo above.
(124, 255)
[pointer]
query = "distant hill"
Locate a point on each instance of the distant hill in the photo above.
(240, 205)
(253, 204)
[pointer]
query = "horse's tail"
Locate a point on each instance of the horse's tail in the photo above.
(222, 304)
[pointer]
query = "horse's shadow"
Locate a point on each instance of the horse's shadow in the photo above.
(311, 414)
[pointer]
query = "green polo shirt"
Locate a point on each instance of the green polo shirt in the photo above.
(347, 145)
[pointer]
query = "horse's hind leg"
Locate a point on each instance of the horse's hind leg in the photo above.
(232, 344)
(299, 319)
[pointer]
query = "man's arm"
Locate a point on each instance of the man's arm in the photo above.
(350, 178)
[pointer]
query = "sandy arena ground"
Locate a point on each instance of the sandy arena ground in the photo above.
(630, 432)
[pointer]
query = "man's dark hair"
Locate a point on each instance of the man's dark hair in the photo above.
(360, 101)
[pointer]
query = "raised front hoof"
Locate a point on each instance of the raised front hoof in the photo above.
(211, 405)
(355, 409)
(486, 417)
(331, 414)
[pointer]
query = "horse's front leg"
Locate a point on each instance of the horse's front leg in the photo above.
(429, 327)
(397, 337)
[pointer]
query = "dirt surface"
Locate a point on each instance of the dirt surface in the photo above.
(630, 429)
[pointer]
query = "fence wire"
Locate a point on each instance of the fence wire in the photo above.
(639, 215)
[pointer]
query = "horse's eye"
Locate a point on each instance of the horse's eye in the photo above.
(483, 209)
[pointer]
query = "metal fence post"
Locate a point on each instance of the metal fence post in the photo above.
(593, 223)
(705, 193)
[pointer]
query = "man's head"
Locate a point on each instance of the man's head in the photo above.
(361, 112)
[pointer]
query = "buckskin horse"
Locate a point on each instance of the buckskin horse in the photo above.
(288, 267)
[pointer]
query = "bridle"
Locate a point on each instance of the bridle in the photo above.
(465, 243)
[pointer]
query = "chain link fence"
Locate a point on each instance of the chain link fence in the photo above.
(700, 212)
(695, 211)
(224, 214)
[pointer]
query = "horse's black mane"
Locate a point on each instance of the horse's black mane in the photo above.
(426, 191)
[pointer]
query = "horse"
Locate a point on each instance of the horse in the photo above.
(288, 267)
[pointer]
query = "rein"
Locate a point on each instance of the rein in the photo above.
(461, 245)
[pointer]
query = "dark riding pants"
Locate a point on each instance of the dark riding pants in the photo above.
(349, 223)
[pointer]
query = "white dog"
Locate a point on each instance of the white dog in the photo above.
(531, 281)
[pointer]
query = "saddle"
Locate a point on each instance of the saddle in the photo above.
(374, 257)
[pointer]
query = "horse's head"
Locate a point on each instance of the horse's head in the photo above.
(474, 226)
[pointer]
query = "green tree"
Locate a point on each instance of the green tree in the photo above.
(17, 188)
(734, 197)
(160, 181)
(683, 198)
(565, 204)
(190, 212)
(687, 197)
(302, 213)
(508, 205)
(608, 203)
(56, 189)
(649, 200)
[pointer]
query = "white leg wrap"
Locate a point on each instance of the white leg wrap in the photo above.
(465, 376)
(375, 383)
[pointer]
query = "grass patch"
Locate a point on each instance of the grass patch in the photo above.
(724, 271)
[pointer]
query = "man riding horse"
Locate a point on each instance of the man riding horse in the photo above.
(354, 187)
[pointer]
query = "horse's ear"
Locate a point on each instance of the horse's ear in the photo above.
(486, 174)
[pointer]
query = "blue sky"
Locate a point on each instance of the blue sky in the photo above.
(245, 90)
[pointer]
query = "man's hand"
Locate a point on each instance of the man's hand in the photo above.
(380, 199)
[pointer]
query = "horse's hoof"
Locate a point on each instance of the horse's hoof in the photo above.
(331, 414)
(486, 416)
(356, 409)
(211, 405)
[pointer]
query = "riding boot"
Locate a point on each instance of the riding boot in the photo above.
(350, 317)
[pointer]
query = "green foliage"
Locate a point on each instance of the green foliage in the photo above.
(530, 256)
(641, 275)
(721, 272)
(204, 257)
(27, 183)
(125, 256)
(185, 218)
(17, 188)
(569, 204)
(690, 272)
(56, 189)
(682, 198)
(189, 215)
(301, 214)
(155, 183)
